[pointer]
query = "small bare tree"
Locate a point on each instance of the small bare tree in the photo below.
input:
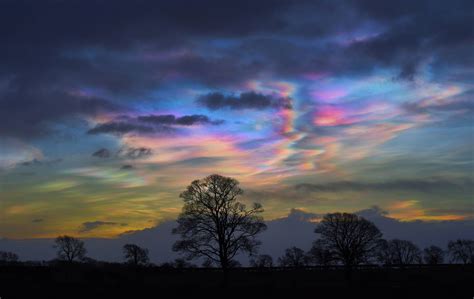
(433, 255)
(8, 257)
(351, 238)
(135, 255)
(403, 252)
(214, 225)
(293, 257)
(319, 254)
(69, 248)
(461, 251)
(262, 261)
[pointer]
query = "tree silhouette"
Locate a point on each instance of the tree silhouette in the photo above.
(69, 248)
(135, 255)
(319, 254)
(293, 257)
(402, 252)
(262, 261)
(461, 250)
(433, 255)
(382, 253)
(8, 257)
(214, 225)
(351, 238)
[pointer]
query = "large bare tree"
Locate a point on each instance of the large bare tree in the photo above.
(350, 238)
(69, 248)
(214, 225)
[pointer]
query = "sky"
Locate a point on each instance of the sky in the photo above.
(109, 109)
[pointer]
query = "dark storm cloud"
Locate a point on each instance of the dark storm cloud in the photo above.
(400, 185)
(89, 226)
(246, 100)
(417, 31)
(28, 112)
(49, 49)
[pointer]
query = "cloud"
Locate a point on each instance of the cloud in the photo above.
(134, 152)
(150, 124)
(246, 100)
(102, 153)
(29, 111)
(186, 120)
(125, 54)
(125, 152)
(120, 128)
(92, 225)
(36, 162)
(409, 185)
(126, 167)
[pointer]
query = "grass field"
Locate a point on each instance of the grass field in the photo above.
(116, 280)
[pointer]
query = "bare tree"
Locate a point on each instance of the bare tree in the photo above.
(69, 248)
(262, 261)
(135, 255)
(214, 225)
(319, 254)
(8, 257)
(382, 253)
(461, 250)
(433, 255)
(403, 252)
(351, 238)
(293, 257)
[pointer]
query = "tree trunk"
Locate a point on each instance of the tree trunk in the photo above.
(225, 273)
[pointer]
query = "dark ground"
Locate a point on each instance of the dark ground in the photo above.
(114, 280)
